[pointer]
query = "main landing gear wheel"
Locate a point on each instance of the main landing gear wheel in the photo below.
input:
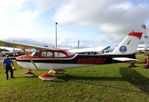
(50, 76)
(30, 74)
(47, 77)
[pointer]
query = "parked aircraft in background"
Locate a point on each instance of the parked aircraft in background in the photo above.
(145, 37)
(90, 51)
(144, 46)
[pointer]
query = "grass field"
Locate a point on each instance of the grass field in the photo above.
(100, 83)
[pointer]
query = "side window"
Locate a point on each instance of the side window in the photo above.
(47, 54)
(44, 54)
(59, 54)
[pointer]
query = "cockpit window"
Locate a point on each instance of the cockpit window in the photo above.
(35, 53)
(44, 54)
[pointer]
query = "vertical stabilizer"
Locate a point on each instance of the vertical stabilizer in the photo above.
(129, 44)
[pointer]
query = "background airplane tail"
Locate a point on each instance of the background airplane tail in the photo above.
(129, 44)
(145, 37)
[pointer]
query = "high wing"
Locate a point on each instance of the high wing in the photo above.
(83, 50)
(21, 45)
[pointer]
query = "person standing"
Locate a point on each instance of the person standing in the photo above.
(8, 66)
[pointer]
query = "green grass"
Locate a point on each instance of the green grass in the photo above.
(100, 83)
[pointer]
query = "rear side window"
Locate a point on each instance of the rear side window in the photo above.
(59, 54)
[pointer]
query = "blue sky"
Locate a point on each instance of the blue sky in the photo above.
(93, 22)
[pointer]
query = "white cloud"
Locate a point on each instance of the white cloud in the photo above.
(124, 6)
(15, 21)
(6, 5)
(111, 16)
(26, 17)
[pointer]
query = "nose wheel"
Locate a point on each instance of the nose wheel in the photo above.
(47, 77)
(30, 74)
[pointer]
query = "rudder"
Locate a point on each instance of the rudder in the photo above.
(129, 44)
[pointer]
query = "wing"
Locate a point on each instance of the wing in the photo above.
(21, 45)
(124, 59)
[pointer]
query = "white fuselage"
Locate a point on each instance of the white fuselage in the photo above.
(47, 66)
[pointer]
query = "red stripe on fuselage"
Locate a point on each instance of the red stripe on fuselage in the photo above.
(26, 57)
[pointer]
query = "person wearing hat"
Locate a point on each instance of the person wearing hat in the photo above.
(8, 66)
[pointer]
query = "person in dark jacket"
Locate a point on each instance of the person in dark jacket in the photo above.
(8, 66)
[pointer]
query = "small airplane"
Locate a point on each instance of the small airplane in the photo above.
(54, 59)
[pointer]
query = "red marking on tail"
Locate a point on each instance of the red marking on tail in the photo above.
(136, 34)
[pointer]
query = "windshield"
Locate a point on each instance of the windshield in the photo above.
(35, 53)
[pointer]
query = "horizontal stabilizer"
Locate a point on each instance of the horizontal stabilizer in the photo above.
(124, 59)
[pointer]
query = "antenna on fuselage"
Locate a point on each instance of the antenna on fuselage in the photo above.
(56, 34)
(78, 43)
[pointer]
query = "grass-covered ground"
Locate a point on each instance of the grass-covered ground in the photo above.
(100, 83)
